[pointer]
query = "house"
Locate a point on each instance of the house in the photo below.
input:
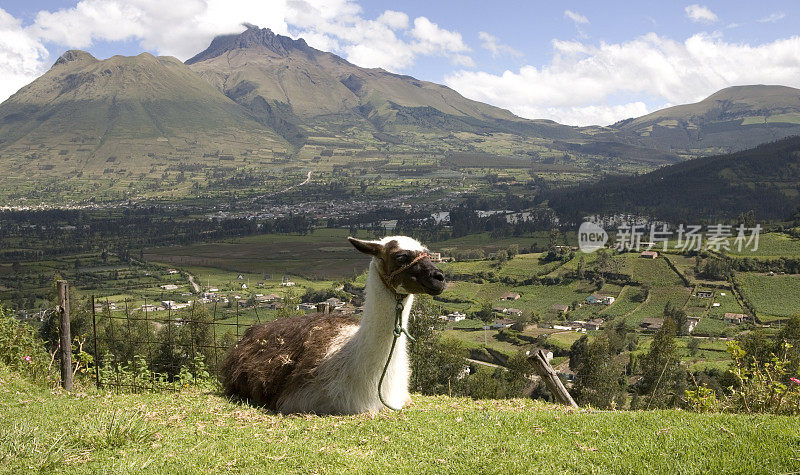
(593, 324)
(735, 318)
(172, 271)
(704, 294)
(598, 299)
(308, 306)
(453, 317)
(649, 254)
(514, 312)
(594, 299)
(691, 323)
(510, 296)
(168, 303)
(652, 324)
(169, 287)
(502, 323)
(244, 286)
(559, 309)
(577, 324)
(241, 277)
(267, 298)
(288, 283)
(435, 256)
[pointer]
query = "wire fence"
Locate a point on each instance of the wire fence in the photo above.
(150, 349)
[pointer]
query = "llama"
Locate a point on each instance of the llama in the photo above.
(332, 364)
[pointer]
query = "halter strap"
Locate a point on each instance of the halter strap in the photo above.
(388, 281)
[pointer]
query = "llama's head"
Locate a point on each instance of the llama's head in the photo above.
(400, 265)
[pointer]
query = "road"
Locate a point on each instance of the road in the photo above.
(193, 283)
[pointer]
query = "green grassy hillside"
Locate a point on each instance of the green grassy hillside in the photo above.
(193, 431)
(763, 179)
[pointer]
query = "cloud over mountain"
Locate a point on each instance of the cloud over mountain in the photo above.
(589, 83)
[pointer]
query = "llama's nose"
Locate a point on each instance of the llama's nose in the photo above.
(437, 275)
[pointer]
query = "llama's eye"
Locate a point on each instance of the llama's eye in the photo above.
(401, 258)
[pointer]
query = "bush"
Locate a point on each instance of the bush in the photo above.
(764, 387)
(22, 350)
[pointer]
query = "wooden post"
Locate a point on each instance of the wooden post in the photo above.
(66, 338)
(551, 379)
(96, 355)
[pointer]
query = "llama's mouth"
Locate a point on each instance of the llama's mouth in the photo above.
(435, 289)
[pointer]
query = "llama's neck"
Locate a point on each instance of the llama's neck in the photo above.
(376, 331)
(372, 342)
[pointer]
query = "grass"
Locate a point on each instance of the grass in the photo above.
(774, 295)
(193, 431)
(658, 298)
(324, 254)
(771, 245)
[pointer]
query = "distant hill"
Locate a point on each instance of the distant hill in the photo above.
(263, 101)
(86, 114)
(731, 119)
(765, 179)
(288, 83)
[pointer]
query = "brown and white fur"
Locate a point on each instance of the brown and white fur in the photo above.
(331, 364)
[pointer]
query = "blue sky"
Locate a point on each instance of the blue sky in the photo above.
(580, 62)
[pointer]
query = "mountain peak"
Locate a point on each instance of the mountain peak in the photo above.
(252, 37)
(75, 55)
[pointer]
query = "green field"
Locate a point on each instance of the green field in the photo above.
(771, 245)
(773, 296)
(192, 431)
(658, 298)
(324, 254)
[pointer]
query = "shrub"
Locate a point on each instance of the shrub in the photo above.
(22, 350)
(764, 387)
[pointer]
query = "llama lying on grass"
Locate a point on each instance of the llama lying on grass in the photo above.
(332, 364)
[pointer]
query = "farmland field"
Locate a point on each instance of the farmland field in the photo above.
(777, 295)
(771, 245)
(325, 254)
(657, 300)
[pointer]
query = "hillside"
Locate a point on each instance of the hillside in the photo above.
(192, 431)
(732, 119)
(279, 78)
(764, 179)
(86, 115)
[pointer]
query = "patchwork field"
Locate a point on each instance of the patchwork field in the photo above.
(773, 296)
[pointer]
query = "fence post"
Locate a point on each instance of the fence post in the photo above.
(96, 355)
(66, 338)
(551, 379)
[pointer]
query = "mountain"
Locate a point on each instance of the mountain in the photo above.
(731, 119)
(290, 84)
(765, 179)
(86, 115)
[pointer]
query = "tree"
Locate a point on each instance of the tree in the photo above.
(663, 378)
(438, 363)
(485, 314)
(693, 346)
(599, 381)
(512, 251)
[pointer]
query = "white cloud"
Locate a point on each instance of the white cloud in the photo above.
(394, 20)
(583, 82)
(433, 39)
(187, 27)
(773, 18)
(576, 17)
(698, 13)
(22, 57)
(493, 44)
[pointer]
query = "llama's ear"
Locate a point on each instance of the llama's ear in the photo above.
(367, 247)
